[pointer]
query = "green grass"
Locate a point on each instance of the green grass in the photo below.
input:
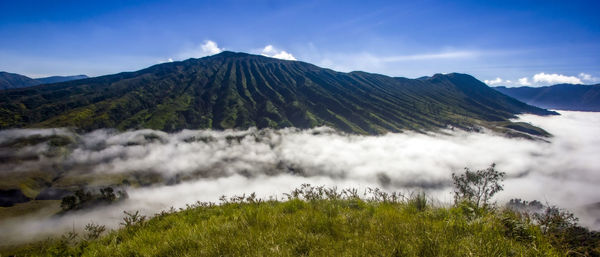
(320, 224)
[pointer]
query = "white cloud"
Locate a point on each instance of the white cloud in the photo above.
(563, 170)
(271, 51)
(494, 81)
(170, 60)
(524, 82)
(542, 79)
(588, 77)
(555, 79)
(209, 47)
(585, 76)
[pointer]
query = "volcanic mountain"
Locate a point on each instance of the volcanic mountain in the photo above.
(561, 97)
(238, 90)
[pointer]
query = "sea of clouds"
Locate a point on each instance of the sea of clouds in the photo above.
(563, 170)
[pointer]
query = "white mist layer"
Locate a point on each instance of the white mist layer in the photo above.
(564, 171)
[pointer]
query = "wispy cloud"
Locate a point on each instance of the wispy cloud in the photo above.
(588, 77)
(431, 56)
(400, 62)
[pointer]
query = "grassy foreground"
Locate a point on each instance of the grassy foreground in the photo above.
(315, 222)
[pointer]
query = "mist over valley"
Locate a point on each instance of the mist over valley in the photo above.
(161, 170)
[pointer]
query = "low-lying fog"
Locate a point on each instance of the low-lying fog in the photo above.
(564, 171)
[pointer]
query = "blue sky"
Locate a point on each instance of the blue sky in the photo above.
(504, 42)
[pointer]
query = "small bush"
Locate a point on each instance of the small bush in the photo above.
(477, 186)
(93, 231)
(132, 219)
(559, 226)
(517, 228)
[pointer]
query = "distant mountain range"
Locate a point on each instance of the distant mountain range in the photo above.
(238, 90)
(560, 97)
(13, 80)
(56, 79)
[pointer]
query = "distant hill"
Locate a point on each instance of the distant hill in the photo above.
(238, 90)
(561, 97)
(56, 79)
(13, 80)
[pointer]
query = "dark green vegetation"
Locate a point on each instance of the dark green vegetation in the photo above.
(86, 199)
(237, 90)
(13, 80)
(562, 97)
(317, 221)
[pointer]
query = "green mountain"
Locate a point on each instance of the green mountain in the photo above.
(561, 97)
(238, 90)
(13, 80)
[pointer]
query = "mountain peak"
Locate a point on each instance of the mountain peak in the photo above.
(240, 90)
(238, 55)
(230, 54)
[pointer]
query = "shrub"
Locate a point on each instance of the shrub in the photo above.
(517, 228)
(477, 186)
(94, 231)
(559, 226)
(132, 218)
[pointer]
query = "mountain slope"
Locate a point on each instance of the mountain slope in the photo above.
(562, 96)
(13, 80)
(237, 90)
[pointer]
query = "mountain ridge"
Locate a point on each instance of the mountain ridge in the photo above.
(57, 79)
(240, 90)
(571, 97)
(13, 80)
